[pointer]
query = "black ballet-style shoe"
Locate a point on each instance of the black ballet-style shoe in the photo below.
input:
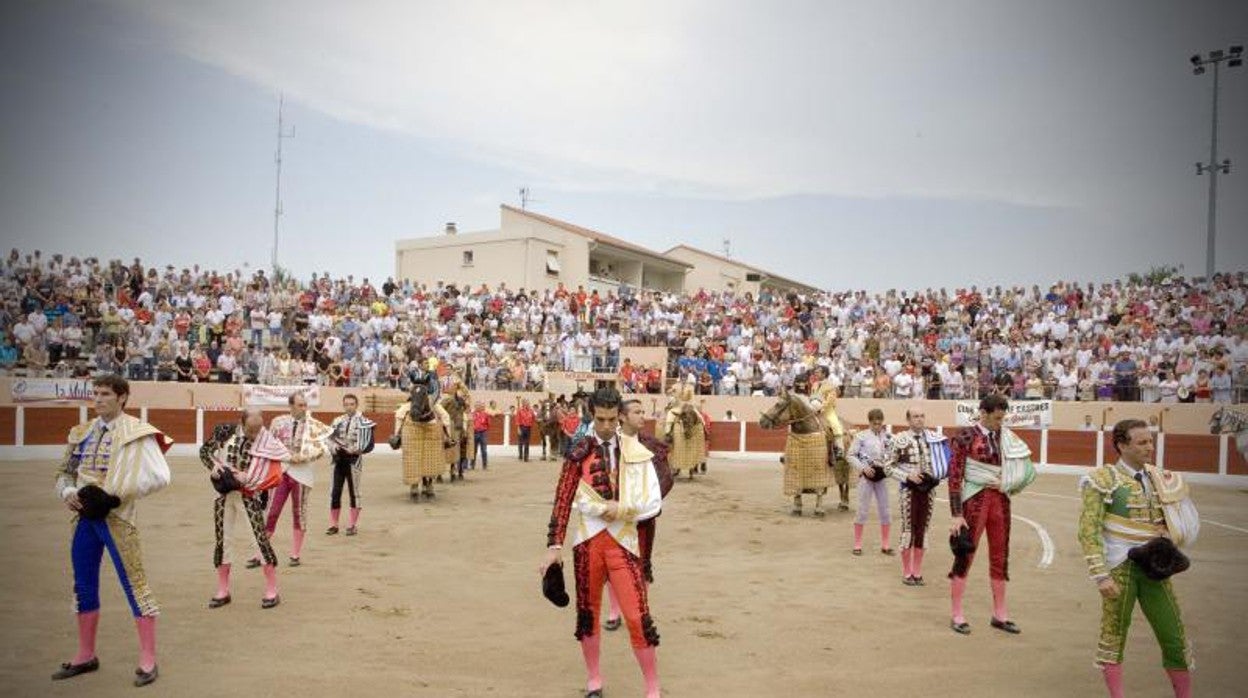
(596, 693)
(960, 628)
(908, 581)
(270, 603)
(294, 561)
(351, 531)
(612, 624)
(1006, 626)
(69, 671)
(918, 582)
(886, 551)
(331, 531)
(218, 602)
(253, 563)
(143, 678)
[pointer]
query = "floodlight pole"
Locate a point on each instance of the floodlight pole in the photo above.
(277, 159)
(1213, 168)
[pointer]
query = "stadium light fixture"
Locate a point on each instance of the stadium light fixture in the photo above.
(1215, 58)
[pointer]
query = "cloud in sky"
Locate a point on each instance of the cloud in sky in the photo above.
(852, 144)
(1016, 102)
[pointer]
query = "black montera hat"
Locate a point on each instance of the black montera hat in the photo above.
(552, 585)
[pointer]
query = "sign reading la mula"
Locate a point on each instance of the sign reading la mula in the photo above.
(51, 389)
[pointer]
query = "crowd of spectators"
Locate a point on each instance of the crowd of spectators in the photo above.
(1162, 340)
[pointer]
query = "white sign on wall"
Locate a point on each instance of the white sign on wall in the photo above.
(1021, 413)
(279, 395)
(44, 389)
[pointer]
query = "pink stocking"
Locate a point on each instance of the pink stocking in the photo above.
(906, 570)
(223, 581)
(916, 562)
(298, 545)
(589, 649)
(1113, 679)
(355, 516)
(88, 623)
(270, 581)
(649, 662)
(857, 536)
(884, 537)
(957, 587)
(333, 517)
(1181, 680)
(998, 600)
(147, 642)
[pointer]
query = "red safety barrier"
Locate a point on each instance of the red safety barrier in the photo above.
(48, 426)
(1235, 463)
(8, 426)
(178, 425)
(494, 435)
(1031, 437)
(725, 436)
(383, 430)
(766, 440)
(1071, 448)
(1193, 453)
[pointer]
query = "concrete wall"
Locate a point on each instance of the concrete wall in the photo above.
(496, 258)
(712, 274)
(573, 251)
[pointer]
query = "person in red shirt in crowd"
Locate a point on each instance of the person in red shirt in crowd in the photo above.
(480, 428)
(182, 324)
(525, 419)
(203, 366)
(628, 374)
(654, 380)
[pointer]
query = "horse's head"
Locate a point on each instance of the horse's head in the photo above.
(419, 400)
(1215, 421)
(778, 414)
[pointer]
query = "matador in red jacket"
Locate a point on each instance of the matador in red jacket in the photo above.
(610, 478)
(988, 464)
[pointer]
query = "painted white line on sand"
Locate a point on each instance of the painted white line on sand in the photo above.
(1228, 526)
(1048, 551)
(1046, 541)
(1054, 496)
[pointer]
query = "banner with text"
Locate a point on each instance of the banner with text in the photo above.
(1021, 413)
(47, 389)
(569, 382)
(279, 395)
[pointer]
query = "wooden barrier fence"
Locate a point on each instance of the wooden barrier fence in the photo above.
(1197, 453)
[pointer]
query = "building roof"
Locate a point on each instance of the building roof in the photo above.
(750, 267)
(596, 236)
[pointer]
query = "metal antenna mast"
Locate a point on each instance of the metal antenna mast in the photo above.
(277, 204)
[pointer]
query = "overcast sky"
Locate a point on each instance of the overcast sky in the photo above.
(846, 144)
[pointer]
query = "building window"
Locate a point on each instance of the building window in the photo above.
(467, 258)
(754, 277)
(552, 263)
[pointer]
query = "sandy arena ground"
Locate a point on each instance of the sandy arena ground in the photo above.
(442, 599)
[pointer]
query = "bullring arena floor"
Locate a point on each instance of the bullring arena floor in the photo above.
(442, 599)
